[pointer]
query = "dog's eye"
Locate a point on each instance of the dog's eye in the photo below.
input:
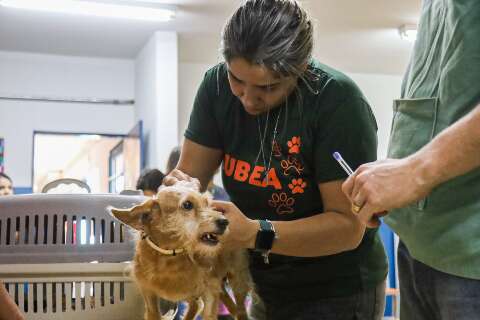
(187, 205)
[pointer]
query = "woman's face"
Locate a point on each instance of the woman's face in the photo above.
(6, 187)
(258, 88)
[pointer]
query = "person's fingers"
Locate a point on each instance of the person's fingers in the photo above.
(180, 175)
(357, 196)
(358, 202)
(370, 217)
(221, 206)
(169, 180)
(365, 214)
(347, 187)
(196, 182)
(176, 176)
(374, 222)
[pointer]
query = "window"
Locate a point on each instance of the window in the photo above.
(116, 178)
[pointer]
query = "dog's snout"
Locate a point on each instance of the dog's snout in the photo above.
(222, 224)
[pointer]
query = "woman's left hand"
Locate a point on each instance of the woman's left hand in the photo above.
(242, 230)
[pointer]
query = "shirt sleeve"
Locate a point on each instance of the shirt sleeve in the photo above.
(351, 130)
(203, 126)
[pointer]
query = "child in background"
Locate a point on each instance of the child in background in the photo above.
(149, 182)
(6, 185)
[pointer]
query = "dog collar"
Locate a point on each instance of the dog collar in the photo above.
(167, 252)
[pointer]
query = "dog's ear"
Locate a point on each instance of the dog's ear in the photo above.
(137, 216)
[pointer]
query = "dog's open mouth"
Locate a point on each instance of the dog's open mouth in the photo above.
(209, 238)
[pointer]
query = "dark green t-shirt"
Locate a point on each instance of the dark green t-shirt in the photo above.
(329, 114)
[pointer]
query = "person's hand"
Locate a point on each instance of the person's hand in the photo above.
(377, 187)
(243, 230)
(176, 176)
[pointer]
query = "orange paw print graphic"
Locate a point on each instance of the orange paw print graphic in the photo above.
(282, 203)
(294, 145)
(297, 185)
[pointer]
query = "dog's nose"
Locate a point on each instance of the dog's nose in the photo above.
(222, 224)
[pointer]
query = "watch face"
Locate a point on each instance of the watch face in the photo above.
(264, 241)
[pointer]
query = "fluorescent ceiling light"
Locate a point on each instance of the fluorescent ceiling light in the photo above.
(113, 10)
(408, 32)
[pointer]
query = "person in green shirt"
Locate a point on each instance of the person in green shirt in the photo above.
(273, 116)
(431, 184)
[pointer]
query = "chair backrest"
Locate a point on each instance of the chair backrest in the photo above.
(128, 192)
(66, 185)
(49, 228)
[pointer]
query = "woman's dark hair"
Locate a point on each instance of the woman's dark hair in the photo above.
(150, 180)
(173, 158)
(3, 175)
(277, 34)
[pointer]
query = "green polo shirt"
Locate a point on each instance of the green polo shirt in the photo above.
(331, 115)
(442, 85)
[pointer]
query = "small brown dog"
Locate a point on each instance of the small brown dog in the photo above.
(181, 257)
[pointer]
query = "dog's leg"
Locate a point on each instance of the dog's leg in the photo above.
(193, 309)
(241, 313)
(210, 311)
(151, 305)
(227, 301)
(240, 284)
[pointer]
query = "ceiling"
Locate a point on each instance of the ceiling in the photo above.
(354, 35)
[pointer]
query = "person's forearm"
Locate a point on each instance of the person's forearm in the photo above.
(8, 308)
(320, 235)
(199, 162)
(452, 153)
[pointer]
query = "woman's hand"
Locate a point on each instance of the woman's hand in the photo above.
(242, 230)
(176, 176)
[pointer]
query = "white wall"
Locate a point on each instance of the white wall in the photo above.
(59, 76)
(156, 94)
(146, 97)
(190, 76)
(380, 91)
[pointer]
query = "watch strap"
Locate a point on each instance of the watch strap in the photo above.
(265, 237)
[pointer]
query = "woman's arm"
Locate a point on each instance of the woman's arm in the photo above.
(196, 161)
(334, 231)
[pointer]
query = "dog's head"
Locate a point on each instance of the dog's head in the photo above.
(178, 217)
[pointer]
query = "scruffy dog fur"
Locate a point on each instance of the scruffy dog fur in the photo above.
(180, 217)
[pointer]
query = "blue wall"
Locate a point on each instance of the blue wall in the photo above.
(22, 190)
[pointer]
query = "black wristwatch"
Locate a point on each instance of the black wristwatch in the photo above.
(265, 237)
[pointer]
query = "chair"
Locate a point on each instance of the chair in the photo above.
(66, 185)
(128, 192)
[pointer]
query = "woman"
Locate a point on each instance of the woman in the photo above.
(149, 182)
(275, 116)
